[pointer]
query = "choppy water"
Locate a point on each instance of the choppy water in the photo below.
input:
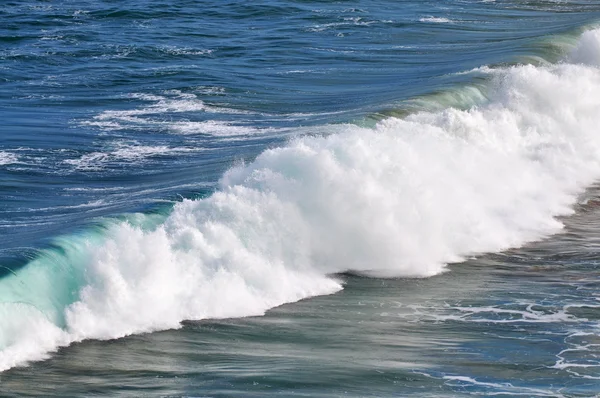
(354, 198)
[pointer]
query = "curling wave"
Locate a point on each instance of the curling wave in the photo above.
(402, 199)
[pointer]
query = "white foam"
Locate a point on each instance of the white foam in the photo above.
(505, 388)
(209, 127)
(90, 204)
(155, 114)
(346, 21)
(581, 358)
(402, 199)
(27, 334)
(587, 50)
(174, 50)
(214, 128)
(130, 152)
(493, 314)
(435, 20)
(7, 158)
(172, 101)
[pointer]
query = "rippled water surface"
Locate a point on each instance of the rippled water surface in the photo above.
(307, 198)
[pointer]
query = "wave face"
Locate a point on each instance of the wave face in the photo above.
(402, 199)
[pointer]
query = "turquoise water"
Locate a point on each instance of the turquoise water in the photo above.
(384, 198)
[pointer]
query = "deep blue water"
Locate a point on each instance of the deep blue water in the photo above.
(308, 198)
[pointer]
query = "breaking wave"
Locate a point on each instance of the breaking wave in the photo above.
(403, 199)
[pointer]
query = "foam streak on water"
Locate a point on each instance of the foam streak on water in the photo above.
(402, 199)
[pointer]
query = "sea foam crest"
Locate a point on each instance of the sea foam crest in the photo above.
(402, 199)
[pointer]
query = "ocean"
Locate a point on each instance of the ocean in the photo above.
(300, 198)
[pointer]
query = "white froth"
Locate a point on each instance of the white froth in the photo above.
(402, 199)
(27, 334)
(435, 20)
(493, 314)
(170, 102)
(213, 128)
(506, 388)
(123, 153)
(7, 158)
(587, 50)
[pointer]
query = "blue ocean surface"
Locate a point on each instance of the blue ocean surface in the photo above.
(300, 198)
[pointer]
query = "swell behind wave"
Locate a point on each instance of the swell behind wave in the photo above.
(402, 199)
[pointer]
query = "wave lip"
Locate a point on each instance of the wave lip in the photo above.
(402, 199)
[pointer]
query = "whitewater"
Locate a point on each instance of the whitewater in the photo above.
(401, 199)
